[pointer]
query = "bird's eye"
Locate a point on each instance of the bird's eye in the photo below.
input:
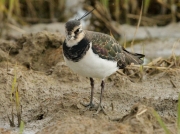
(77, 31)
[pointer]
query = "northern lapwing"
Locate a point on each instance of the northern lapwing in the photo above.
(94, 55)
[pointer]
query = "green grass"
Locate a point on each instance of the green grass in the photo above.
(162, 124)
(21, 128)
(146, 6)
(15, 102)
(105, 3)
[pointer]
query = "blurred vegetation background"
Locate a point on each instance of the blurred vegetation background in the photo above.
(155, 12)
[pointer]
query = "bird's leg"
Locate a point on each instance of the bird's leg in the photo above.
(100, 107)
(90, 105)
(92, 92)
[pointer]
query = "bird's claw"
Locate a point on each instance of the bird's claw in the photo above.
(100, 108)
(88, 106)
(91, 106)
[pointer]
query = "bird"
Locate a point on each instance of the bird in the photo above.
(94, 55)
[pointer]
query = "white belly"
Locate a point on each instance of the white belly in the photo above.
(91, 65)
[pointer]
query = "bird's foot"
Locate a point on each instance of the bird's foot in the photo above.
(89, 106)
(100, 108)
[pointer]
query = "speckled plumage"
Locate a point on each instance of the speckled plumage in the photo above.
(108, 48)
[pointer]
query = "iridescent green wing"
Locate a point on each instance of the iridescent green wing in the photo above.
(106, 47)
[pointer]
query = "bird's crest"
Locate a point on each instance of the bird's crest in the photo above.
(86, 14)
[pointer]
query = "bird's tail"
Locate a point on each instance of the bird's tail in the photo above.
(133, 57)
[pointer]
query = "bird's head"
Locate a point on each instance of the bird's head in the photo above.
(74, 31)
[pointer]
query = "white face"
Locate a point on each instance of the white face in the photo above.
(74, 36)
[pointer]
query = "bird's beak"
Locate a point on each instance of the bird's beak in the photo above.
(70, 37)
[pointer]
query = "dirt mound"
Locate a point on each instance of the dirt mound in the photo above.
(38, 51)
(140, 120)
(83, 125)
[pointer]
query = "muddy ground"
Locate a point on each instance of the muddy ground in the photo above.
(51, 94)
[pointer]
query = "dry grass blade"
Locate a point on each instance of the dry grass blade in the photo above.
(103, 14)
(117, 11)
(150, 21)
(16, 28)
(174, 85)
(147, 67)
(124, 41)
(156, 66)
(31, 8)
(139, 21)
(126, 5)
(173, 56)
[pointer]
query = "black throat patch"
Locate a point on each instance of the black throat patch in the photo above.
(76, 52)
